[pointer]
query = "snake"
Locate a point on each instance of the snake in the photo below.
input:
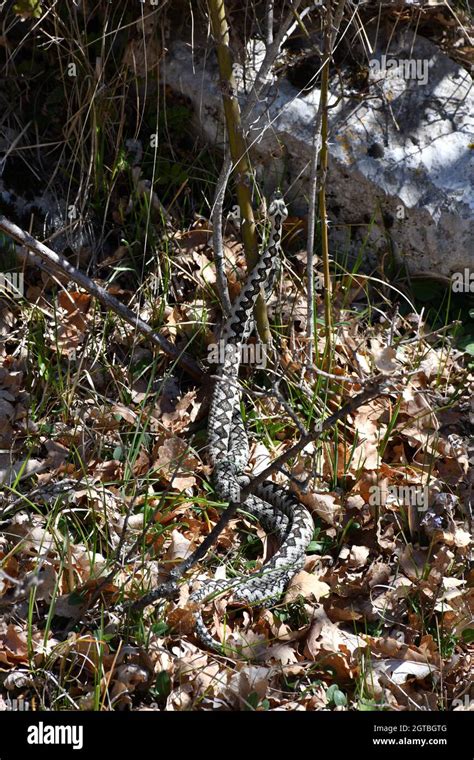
(278, 510)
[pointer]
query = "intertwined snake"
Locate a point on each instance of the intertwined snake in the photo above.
(277, 510)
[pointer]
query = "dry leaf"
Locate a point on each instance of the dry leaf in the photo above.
(176, 464)
(385, 361)
(323, 504)
(306, 585)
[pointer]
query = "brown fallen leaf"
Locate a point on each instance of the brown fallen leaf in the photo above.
(179, 548)
(323, 504)
(176, 464)
(358, 556)
(385, 360)
(306, 585)
(72, 307)
(401, 670)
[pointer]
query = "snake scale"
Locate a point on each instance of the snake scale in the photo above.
(277, 510)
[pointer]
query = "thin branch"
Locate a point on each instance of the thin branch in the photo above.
(313, 189)
(237, 126)
(59, 262)
(269, 22)
(319, 148)
(267, 63)
(237, 145)
(238, 149)
(217, 238)
(324, 158)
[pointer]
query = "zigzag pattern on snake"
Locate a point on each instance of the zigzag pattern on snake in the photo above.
(277, 510)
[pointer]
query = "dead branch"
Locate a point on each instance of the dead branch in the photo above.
(57, 262)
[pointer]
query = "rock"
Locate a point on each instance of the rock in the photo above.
(400, 174)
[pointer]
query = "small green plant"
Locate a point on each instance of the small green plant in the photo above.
(335, 696)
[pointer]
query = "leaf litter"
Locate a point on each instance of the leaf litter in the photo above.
(385, 600)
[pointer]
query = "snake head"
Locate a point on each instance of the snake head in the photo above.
(278, 206)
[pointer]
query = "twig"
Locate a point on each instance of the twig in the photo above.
(217, 239)
(267, 63)
(320, 148)
(322, 185)
(238, 150)
(59, 262)
(313, 188)
(237, 126)
(237, 145)
(269, 22)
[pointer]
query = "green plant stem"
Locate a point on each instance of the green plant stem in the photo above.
(322, 189)
(238, 148)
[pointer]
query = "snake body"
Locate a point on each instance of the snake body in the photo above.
(277, 510)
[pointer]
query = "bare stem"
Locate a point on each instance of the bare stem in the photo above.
(320, 150)
(238, 148)
(58, 262)
(217, 239)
